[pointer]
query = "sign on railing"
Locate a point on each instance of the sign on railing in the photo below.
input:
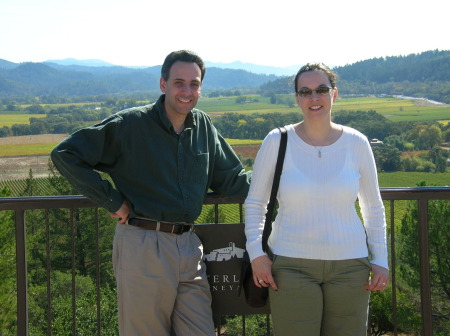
(223, 249)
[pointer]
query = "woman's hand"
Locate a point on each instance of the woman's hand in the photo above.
(379, 280)
(262, 272)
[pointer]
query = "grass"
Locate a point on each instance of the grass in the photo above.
(10, 119)
(27, 149)
(46, 148)
(394, 109)
(240, 142)
(411, 179)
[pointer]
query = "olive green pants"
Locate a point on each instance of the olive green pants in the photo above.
(320, 297)
(162, 287)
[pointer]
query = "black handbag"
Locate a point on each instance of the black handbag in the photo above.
(257, 296)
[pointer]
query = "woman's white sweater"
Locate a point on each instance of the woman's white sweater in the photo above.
(317, 217)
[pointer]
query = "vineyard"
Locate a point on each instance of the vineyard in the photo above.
(40, 186)
(43, 187)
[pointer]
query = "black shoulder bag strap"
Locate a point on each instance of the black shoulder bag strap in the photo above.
(276, 183)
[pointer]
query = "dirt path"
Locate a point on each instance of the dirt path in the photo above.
(27, 139)
(18, 167)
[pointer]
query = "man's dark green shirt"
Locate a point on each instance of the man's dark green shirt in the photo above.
(163, 176)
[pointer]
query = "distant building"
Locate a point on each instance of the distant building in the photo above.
(375, 142)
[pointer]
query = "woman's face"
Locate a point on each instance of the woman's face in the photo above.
(312, 103)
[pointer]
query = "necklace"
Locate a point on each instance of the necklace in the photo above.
(319, 149)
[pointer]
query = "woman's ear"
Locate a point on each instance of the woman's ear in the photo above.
(335, 94)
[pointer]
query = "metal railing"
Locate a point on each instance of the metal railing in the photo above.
(19, 205)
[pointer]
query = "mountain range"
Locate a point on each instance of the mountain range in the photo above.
(237, 65)
(94, 77)
(427, 72)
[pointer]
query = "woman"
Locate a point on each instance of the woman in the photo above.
(320, 270)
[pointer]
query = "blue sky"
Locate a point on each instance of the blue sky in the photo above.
(276, 33)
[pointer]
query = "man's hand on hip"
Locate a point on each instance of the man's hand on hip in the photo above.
(123, 213)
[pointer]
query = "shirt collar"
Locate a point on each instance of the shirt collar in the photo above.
(161, 111)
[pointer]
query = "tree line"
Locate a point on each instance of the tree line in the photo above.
(418, 75)
(396, 137)
(64, 119)
(425, 75)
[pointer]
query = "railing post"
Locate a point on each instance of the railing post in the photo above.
(21, 274)
(74, 288)
(393, 268)
(48, 261)
(97, 271)
(424, 262)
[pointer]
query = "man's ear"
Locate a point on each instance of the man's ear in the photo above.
(162, 85)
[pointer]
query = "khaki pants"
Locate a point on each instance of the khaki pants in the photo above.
(161, 283)
(320, 297)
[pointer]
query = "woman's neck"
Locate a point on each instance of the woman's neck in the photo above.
(318, 134)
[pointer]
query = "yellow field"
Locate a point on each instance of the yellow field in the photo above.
(25, 145)
(240, 142)
(45, 148)
(10, 119)
(25, 150)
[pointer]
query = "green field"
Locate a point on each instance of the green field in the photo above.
(45, 148)
(27, 150)
(240, 142)
(10, 119)
(411, 179)
(394, 109)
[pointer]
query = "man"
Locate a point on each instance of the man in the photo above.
(162, 158)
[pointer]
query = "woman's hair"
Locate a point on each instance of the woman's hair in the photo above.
(332, 76)
(182, 56)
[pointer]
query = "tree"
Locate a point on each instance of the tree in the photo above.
(5, 131)
(425, 137)
(8, 300)
(273, 99)
(35, 109)
(86, 308)
(387, 158)
(446, 135)
(439, 157)
(439, 250)
(396, 141)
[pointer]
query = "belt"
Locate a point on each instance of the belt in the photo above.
(148, 224)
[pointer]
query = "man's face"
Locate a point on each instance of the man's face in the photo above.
(182, 88)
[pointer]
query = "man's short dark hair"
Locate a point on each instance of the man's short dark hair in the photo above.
(182, 56)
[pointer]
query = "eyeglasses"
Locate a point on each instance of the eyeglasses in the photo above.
(321, 90)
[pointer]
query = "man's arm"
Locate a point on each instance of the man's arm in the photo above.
(77, 157)
(229, 176)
